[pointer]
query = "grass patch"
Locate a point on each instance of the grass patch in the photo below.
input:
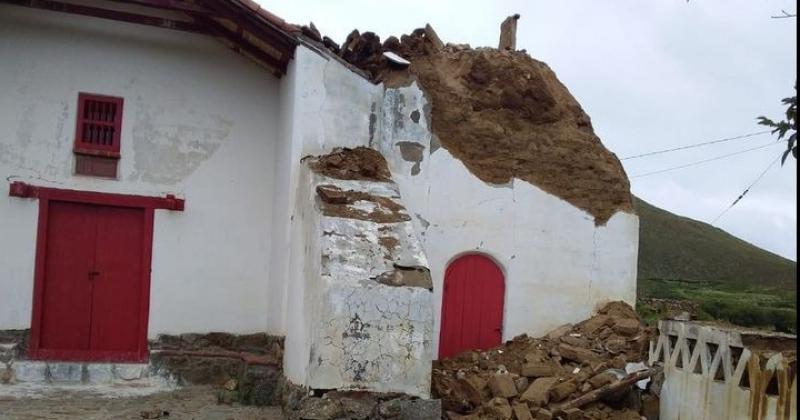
(744, 306)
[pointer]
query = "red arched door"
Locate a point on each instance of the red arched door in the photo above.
(472, 305)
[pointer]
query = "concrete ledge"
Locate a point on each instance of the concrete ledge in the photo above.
(77, 373)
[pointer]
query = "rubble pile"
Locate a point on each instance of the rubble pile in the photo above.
(502, 113)
(591, 370)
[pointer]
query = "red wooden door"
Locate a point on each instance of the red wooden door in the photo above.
(472, 306)
(91, 308)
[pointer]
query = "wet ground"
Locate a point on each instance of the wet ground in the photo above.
(192, 403)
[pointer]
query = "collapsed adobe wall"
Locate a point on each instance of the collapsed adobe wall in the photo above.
(364, 302)
(503, 114)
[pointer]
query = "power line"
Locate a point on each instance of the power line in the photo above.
(739, 198)
(705, 160)
(691, 146)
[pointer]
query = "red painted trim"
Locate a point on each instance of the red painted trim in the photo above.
(146, 264)
(38, 277)
(111, 150)
(102, 13)
(45, 195)
(24, 190)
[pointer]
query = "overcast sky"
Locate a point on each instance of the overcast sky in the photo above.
(652, 75)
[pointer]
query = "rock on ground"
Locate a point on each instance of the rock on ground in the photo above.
(559, 367)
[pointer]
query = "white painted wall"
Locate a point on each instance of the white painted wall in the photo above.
(692, 390)
(559, 267)
(199, 121)
(324, 105)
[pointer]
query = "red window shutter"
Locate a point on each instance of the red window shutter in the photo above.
(97, 135)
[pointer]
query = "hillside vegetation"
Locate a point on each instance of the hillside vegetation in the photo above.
(731, 280)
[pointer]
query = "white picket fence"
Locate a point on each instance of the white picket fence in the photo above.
(710, 374)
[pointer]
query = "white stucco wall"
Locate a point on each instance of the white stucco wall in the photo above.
(558, 266)
(351, 330)
(324, 105)
(199, 121)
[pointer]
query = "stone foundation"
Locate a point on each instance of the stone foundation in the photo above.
(302, 403)
(248, 365)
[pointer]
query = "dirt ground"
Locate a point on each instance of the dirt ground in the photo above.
(192, 403)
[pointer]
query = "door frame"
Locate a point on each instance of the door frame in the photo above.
(45, 195)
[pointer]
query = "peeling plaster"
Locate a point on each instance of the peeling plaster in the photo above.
(166, 152)
(373, 303)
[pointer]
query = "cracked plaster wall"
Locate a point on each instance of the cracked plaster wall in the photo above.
(358, 333)
(323, 105)
(199, 121)
(558, 266)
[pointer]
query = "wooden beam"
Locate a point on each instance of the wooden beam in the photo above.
(239, 43)
(255, 25)
(75, 9)
(175, 5)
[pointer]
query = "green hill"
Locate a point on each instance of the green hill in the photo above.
(678, 248)
(731, 280)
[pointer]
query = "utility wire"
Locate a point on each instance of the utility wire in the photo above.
(739, 198)
(691, 146)
(705, 160)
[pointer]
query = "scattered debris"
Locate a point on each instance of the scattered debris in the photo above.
(154, 414)
(361, 405)
(569, 373)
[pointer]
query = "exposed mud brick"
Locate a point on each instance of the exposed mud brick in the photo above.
(603, 333)
(562, 391)
(616, 345)
(335, 202)
(619, 362)
(577, 354)
(361, 163)
(476, 389)
(602, 378)
(650, 407)
(627, 327)
(311, 31)
(503, 386)
(508, 33)
(573, 414)
(498, 409)
(522, 412)
(539, 391)
(619, 310)
(539, 369)
(595, 323)
(522, 384)
(477, 95)
(560, 331)
(435, 42)
(535, 356)
(575, 341)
